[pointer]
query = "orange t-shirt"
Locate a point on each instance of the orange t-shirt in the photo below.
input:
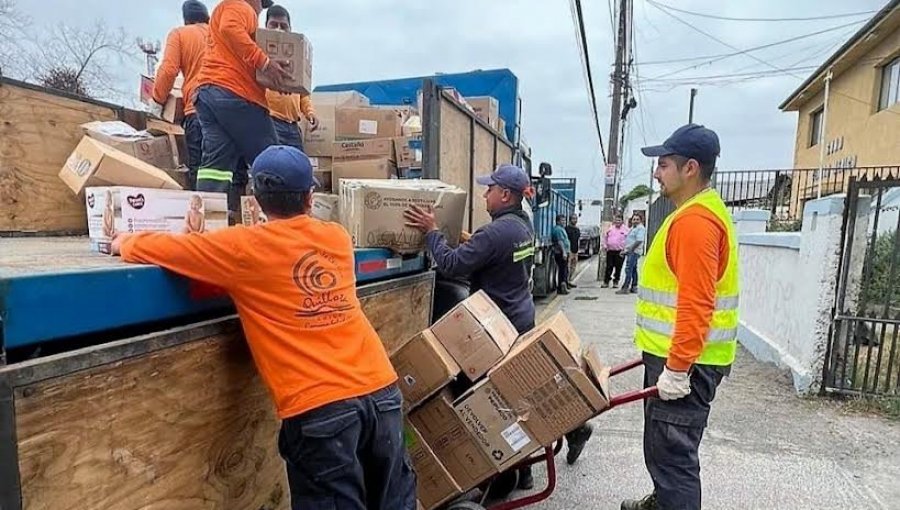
(294, 287)
(288, 107)
(232, 56)
(697, 252)
(185, 47)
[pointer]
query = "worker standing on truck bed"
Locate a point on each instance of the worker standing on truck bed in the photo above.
(292, 280)
(497, 259)
(286, 109)
(232, 105)
(184, 51)
(687, 316)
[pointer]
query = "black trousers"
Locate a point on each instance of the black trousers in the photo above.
(672, 433)
(193, 138)
(562, 269)
(349, 455)
(614, 261)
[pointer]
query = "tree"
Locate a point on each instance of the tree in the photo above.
(12, 35)
(641, 190)
(81, 60)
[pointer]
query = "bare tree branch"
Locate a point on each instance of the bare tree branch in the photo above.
(12, 37)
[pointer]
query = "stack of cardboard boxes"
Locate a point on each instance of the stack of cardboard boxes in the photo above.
(479, 398)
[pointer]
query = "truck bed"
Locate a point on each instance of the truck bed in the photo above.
(54, 287)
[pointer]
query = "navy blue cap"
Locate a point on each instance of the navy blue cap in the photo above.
(282, 168)
(507, 176)
(194, 11)
(690, 141)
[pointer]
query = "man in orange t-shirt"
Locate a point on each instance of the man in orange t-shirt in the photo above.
(696, 253)
(184, 54)
(286, 109)
(232, 105)
(292, 280)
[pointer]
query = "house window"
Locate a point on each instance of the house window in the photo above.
(815, 126)
(890, 85)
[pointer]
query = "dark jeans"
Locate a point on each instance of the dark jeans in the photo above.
(672, 433)
(288, 133)
(193, 138)
(349, 455)
(631, 275)
(235, 131)
(614, 262)
(562, 268)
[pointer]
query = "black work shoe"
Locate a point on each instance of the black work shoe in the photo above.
(572, 285)
(562, 291)
(648, 503)
(526, 480)
(622, 291)
(605, 286)
(577, 439)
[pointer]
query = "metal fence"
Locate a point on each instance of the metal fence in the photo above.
(783, 192)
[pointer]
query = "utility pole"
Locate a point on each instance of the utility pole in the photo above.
(691, 111)
(615, 118)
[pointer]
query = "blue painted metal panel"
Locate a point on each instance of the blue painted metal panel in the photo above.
(43, 307)
(501, 84)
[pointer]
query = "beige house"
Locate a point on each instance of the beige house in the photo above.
(862, 118)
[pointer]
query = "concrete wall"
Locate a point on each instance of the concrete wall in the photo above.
(788, 288)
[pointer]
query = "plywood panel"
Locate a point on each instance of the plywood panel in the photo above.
(455, 150)
(504, 153)
(186, 427)
(38, 131)
(484, 165)
(189, 427)
(399, 314)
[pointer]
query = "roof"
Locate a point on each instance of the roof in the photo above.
(888, 17)
(737, 191)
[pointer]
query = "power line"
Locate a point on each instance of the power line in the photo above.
(722, 56)
(727, 18)
(581, 37)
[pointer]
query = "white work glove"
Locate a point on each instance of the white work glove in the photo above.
(156, 109)
(673, 385)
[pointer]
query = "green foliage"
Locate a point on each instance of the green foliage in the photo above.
(879, 287)
(641, 190)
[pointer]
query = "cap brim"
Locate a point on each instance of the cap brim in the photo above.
(486, 180)
(656, 151)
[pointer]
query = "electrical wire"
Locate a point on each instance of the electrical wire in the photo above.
(721, 56)
(581, 38)
(727, 18)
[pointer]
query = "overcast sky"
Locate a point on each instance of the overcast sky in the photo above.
(360, 40)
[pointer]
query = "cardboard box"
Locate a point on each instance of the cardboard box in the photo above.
(94, 163)
(449, 439)
(292, 49)
(476, 333)
(173, 110)
(408, 150)
(146, 89)
(486, 108)
(372, 211)
(381, 168)
(492, 422)
(321, 141)
(363, 123)
(321, 163)
(157, 150)
(434, 485)
(543, 380)
(251, 212)
(325, 207)
(423, 367)
(364, 149)
(114, 209)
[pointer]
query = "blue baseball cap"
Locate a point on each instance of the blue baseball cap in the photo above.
(507, 176)
(283, 168)
(690, 141)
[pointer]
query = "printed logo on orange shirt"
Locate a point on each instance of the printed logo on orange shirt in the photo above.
(317, 276)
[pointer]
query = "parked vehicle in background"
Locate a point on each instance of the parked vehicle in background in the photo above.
(589, 242)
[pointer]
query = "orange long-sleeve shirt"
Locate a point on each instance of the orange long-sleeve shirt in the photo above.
(232, 56)
(697, 252)
(289, 107)
(185, 47)
(293, 284)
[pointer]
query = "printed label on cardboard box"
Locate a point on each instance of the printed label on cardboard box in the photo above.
(368, 127)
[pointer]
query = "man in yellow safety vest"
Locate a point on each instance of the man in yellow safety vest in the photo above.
(687, 316)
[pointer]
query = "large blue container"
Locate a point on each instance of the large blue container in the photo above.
(501, 84)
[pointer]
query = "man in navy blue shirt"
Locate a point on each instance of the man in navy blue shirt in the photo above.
(497, 259)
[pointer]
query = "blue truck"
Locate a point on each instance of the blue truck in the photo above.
(552, 197)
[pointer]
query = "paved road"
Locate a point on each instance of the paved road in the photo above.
(765, 447)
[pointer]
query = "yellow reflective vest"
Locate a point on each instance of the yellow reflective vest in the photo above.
(658, 293)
